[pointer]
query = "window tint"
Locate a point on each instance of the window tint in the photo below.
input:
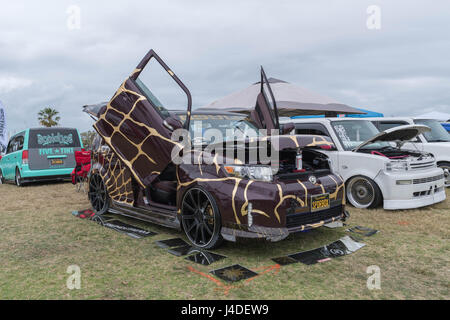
(312, 128)
(51, 138)
(161, 90)
(268, 95)
(16, 144)
(10, 144)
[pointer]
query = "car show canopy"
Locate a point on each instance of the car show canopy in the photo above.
(291, 100)
(435, 115)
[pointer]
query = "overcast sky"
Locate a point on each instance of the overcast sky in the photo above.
(216, 48)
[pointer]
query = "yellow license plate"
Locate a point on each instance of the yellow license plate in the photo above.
(57, 161)
(320, 202)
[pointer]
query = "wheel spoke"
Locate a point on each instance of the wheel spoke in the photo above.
(196, 231)
(191, 227)
(188, 206)
(208, 229)
(191, 197)
(199, 202)
(202, 230)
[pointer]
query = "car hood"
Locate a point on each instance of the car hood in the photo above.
(400, 133)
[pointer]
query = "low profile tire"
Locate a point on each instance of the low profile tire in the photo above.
(2, 179)
(363, 192)
(98, 196)
(200, 219)
(18, 178)
(445, 165)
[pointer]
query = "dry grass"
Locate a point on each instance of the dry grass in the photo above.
(40, 239)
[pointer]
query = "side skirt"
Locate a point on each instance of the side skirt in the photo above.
(159, 216)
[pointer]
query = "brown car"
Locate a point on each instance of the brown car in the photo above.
(133, 171)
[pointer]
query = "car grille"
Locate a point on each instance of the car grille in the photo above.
(299, 219)
(427, 192)
(428, 179)
(422, 165)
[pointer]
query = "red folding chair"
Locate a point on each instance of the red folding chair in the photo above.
(81, 171)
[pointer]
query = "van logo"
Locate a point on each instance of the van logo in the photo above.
(313, 179)
(52, 139)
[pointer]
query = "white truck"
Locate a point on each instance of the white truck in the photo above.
(374, 166)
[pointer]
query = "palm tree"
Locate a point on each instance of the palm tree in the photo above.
(48, 117)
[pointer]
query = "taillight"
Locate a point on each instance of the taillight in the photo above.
(25, 157)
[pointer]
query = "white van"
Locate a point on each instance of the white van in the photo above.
(436, 141)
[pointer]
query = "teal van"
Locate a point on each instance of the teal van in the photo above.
(40, 154)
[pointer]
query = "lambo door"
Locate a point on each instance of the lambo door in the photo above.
(134, 123)
(265, 114)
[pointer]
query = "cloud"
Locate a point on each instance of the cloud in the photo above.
(216, 47)
(10, 83)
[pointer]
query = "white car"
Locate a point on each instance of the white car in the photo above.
(436, 141)
(375, 171)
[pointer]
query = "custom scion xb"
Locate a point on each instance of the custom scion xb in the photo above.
(216, 195)
(376, 169)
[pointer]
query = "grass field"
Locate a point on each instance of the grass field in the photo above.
(40, 239)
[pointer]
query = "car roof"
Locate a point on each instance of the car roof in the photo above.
(41, 129)
(51, 128)
(390, 118)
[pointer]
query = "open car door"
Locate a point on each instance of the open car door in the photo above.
(265, 114)
(134, 124)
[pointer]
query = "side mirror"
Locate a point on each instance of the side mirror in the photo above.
(287, 128)
(172, 124)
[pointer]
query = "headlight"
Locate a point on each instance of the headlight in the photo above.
(397, 166)
(263, 173)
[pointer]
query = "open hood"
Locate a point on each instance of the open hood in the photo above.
(283, 142)
(400, 133)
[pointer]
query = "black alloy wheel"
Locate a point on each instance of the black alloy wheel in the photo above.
(200, 218)
(98, 195)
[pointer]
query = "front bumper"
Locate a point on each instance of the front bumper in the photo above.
(231, 233)
(426, 188)
(421, 201)
(290, 204)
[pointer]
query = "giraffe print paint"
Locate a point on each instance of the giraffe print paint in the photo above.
(212, 194)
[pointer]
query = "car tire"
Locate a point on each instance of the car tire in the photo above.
(363, 193)
(98, 195)
(18, 178)
(2, 179)
(200, 218)
(445, 165)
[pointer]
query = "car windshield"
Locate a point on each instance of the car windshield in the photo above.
(352, 133)
(212, 128)
(437, 133)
